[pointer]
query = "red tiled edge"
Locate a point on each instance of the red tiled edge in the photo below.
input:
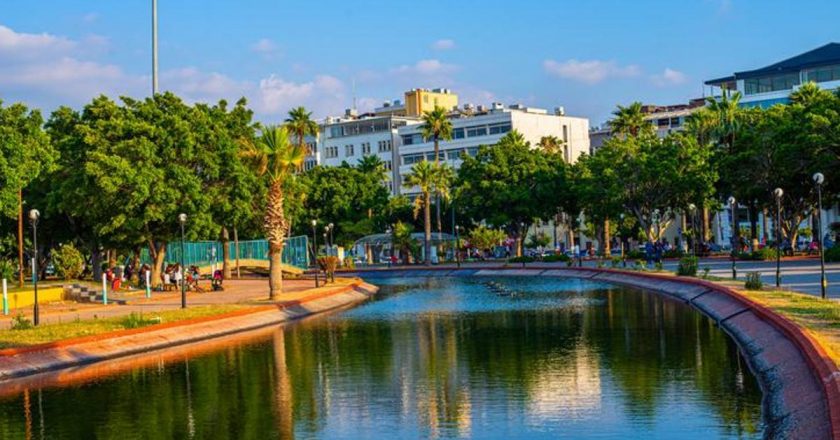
(821, 364)
(119, 333)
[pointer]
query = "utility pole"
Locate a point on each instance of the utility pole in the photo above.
(154, 48)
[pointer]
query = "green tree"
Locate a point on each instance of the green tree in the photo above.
(629, 121)
(301, 124)
(552, 145)
(484, 238)
(25, 153)
(423, 176)
(275, 158)
(437, 127)
(402, 242)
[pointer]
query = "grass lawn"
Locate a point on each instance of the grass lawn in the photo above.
(55, 332)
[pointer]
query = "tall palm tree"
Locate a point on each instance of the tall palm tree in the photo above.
(551, 144)
(423, 176)
(628, 121)
(372, 164)
(727, 111)
(275, 158)
(301, 124)
(437, 126)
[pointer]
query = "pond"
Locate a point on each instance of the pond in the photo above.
(432, 358)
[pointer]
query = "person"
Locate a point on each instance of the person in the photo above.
(813, 247)
(217, 280)
(177, 275)
(649, 253)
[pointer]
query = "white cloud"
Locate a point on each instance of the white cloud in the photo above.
(669, 77)
(264, 46)
(32, 45)
(590, 71)
(425, 68)
(443, 44)
(323, 95)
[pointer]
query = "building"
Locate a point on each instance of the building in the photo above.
(665, 119)
(774, 83)
(476, 126)
(418, 101)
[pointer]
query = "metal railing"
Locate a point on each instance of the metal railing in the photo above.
(203, 253)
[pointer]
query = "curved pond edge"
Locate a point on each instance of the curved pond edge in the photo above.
(20, 362)
(800, 382)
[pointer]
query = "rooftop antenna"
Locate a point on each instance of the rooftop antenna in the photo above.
(354, 93)
(154, 49)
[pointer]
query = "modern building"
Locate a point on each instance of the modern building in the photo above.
(666, 119)
(773, 84)
(477, 126)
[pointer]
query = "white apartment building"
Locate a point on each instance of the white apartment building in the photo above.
(350, 138)
(478, 126)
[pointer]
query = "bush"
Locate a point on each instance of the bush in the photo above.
(640, 264)
(687, 266)
(832, 254)
(763, 254)
(555, 258)
(522, 259)
(20, 322)
(615, 262)
(673, 253)
(136, 320)
(7, 269)
(706, 270)
(753, 281)
(69, 262)
(658, 266)
(634, 255)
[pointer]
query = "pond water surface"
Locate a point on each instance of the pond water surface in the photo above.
(433, 358)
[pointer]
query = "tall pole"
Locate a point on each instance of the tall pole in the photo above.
(455, 234)
(182, 218)
(818, 179)
(315, 249)
(732, 204)
(236, 249)
(457, 247)
(33, 215)
(778, 192)
(21, 262)
(154, 48)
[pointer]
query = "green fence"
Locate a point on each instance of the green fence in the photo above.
(202, 253)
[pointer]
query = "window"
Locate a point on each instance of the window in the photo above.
(365, 148)
(565, 133)
(348, 150)
(331, 152)
(454, 154)
(500, 128)
(768, 84)
(388, 165)
(430, 156)
(309, 164)
(473, 151)
(384, 146)
(477, 131)
(675, 122)
(458, 133)
(410, 139)
(824, 74)
(662, 122)
(411, 159)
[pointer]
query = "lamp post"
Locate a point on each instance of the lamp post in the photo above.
(182, 219)
(818, 180)
(732, 206)
(33, 217)
(621, 239)
(523, 234)
(692, 209)
(315, 249)
(332, 242)
(457, 247)
(778, 193)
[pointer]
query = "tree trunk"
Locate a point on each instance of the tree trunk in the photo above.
(764, 225)
(607, 249)
(21, 263)
(96, 261)
(427, 220)
(224, 238)
(158, 253)
(705, 224)
(275, 273)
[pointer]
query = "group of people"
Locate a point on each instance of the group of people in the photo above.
(173, 275)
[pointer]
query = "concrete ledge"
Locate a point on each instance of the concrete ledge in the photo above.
(26, 361)
(801, 383)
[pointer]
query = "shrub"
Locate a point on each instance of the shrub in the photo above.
(136, 320)
(658, 266)
(558, 257)
(753, 281)
(640, 264)
(523, 259)
(687, 267)
(673, 253)
(7, 269)
(328, 263)
(706, 270)
(20, 322)
(763, 254)
(349, 263)
(634, 254)
(599, 264)
(832, 254)
(615, 262)
(69, 262)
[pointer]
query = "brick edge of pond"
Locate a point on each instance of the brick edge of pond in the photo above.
(17, 363)
(800, 382)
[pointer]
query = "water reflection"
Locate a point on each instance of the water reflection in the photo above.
(433, 358)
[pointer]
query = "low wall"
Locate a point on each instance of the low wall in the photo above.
(801, 384)
(26, 298)
(26, 361)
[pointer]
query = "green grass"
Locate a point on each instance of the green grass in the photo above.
(67, 330)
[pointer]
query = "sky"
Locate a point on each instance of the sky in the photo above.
(587, 56)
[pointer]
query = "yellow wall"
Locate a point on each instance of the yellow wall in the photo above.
(27, 297)
(418, 101)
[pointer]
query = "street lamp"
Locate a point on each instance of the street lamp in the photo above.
(332, 242)
(692, 208)
(315, 249)
(778, 193)
(523, 234)
(732, 205)
(818, 180)
(457, 247)
(621, 239)
(182, 219)
(33, 217)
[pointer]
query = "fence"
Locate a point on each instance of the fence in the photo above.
(202, 253)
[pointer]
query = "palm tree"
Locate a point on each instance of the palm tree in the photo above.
(300, 124)
(423, 175)
(274, 157)
(552, 144)
(727, 113)
(372, 164)
(437, 126)
(628, 121)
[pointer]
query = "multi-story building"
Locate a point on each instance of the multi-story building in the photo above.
(774, 83)
(419, 101)
(476, 126)
(665, 119)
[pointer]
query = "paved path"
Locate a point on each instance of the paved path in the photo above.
(236, 292)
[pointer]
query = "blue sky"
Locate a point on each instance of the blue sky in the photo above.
(587, 56)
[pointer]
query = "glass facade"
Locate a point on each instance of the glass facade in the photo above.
(824, 74)
(768, 84)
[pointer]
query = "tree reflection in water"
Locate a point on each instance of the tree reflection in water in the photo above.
(434, 358)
